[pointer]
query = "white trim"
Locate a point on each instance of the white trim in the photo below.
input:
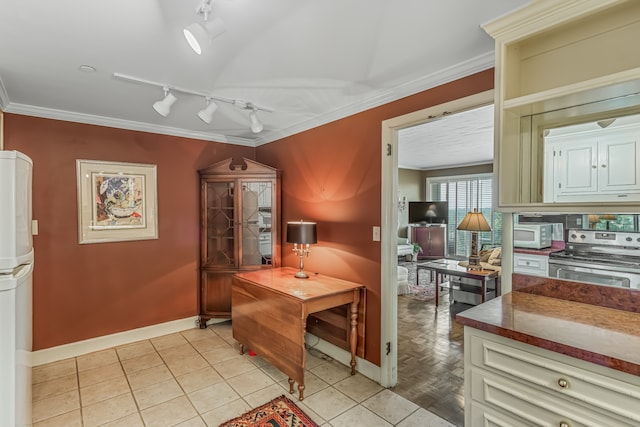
(389, 189)
(53, 354)
(363, 366)
(466, 68)
(70, 116)
(438, 78)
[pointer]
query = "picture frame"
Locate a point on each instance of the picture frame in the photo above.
(116, 201)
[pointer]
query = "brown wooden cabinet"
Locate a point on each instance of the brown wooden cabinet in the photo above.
(432, 239)
(239, 228)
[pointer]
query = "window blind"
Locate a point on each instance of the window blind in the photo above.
(463, 194)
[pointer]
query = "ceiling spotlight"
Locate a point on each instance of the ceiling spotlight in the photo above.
(256, 125)
(163, 107)
(206, 114)
(199, 35)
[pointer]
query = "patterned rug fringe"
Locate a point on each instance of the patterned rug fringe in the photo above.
(280, 412)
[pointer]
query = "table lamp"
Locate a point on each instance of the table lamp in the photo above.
(474, 222)
(302, 235)
(608, 218)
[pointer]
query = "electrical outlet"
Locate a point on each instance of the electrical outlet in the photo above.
(376, 234)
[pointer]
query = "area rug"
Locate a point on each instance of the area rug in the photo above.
(422, 289)
(280, 412)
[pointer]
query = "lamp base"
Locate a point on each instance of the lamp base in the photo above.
(474, 263)
(301, 275)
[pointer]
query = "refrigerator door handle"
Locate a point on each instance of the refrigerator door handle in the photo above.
(23, 270)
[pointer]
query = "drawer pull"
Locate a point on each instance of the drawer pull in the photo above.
(564, 424)
(563, 384)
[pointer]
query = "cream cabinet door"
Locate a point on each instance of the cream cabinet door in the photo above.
(618, 160)
(576, 167)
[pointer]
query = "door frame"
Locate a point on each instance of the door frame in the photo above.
(389, 221)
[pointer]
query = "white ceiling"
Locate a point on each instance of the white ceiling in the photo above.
(461, 139)
(311, 61)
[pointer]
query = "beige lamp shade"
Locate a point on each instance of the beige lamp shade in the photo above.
(474, 221)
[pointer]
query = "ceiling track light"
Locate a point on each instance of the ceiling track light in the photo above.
(163, 107)
(206, 114)
(256, 124)
(199, 35)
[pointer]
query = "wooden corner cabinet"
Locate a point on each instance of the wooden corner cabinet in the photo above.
(239, 228)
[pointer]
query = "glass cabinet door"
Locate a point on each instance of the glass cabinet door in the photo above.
(256, 223)
(219, 241)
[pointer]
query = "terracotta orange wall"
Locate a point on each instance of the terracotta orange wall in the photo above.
(332, 175)
(86, 291)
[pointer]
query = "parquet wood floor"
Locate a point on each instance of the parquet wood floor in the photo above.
(430, 356)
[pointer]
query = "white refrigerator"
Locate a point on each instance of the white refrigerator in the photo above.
(16, 268)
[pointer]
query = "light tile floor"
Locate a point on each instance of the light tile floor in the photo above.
(198, 378)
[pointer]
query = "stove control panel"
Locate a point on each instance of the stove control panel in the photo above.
(608, 238)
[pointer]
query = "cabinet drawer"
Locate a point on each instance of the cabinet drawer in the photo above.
(537, 265)
(482, 415)
(533, 406)
(559, 380)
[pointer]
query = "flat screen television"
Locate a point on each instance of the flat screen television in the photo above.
(428, 212)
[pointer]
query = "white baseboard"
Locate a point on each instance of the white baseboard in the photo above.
(53, 354)
(363, 366)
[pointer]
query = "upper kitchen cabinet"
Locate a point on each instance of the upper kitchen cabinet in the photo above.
(240, 204)
(593, 162)
(561, 64)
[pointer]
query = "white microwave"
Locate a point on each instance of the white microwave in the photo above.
(532, 235)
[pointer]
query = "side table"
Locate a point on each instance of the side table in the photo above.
(480, 279)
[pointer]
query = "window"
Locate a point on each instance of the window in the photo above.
(464, 193)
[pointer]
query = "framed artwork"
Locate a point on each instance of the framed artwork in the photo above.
(116, 201)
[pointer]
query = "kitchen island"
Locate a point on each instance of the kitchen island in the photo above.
(553, 352)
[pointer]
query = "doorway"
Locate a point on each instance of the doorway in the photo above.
(389, 221)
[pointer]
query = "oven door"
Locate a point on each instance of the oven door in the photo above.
(593, 274)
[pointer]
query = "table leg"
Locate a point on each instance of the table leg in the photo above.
(437, 287)
(353, 338)
(301, 391)
(291, 382)
(484, 288)
(241, 348)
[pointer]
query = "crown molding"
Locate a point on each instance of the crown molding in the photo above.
(69, 116)
(446, 75)
(540, 15)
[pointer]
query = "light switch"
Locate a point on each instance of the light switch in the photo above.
(34, 227)
(376, 233)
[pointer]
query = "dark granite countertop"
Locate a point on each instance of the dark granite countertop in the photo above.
(566, 324)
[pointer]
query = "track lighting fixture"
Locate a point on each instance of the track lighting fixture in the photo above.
(163, 107)
(256, 125)
(198, 35)
(206, 114)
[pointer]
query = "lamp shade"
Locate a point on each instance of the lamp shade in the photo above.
(474, 221)
(301, 232)
(593, 218)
